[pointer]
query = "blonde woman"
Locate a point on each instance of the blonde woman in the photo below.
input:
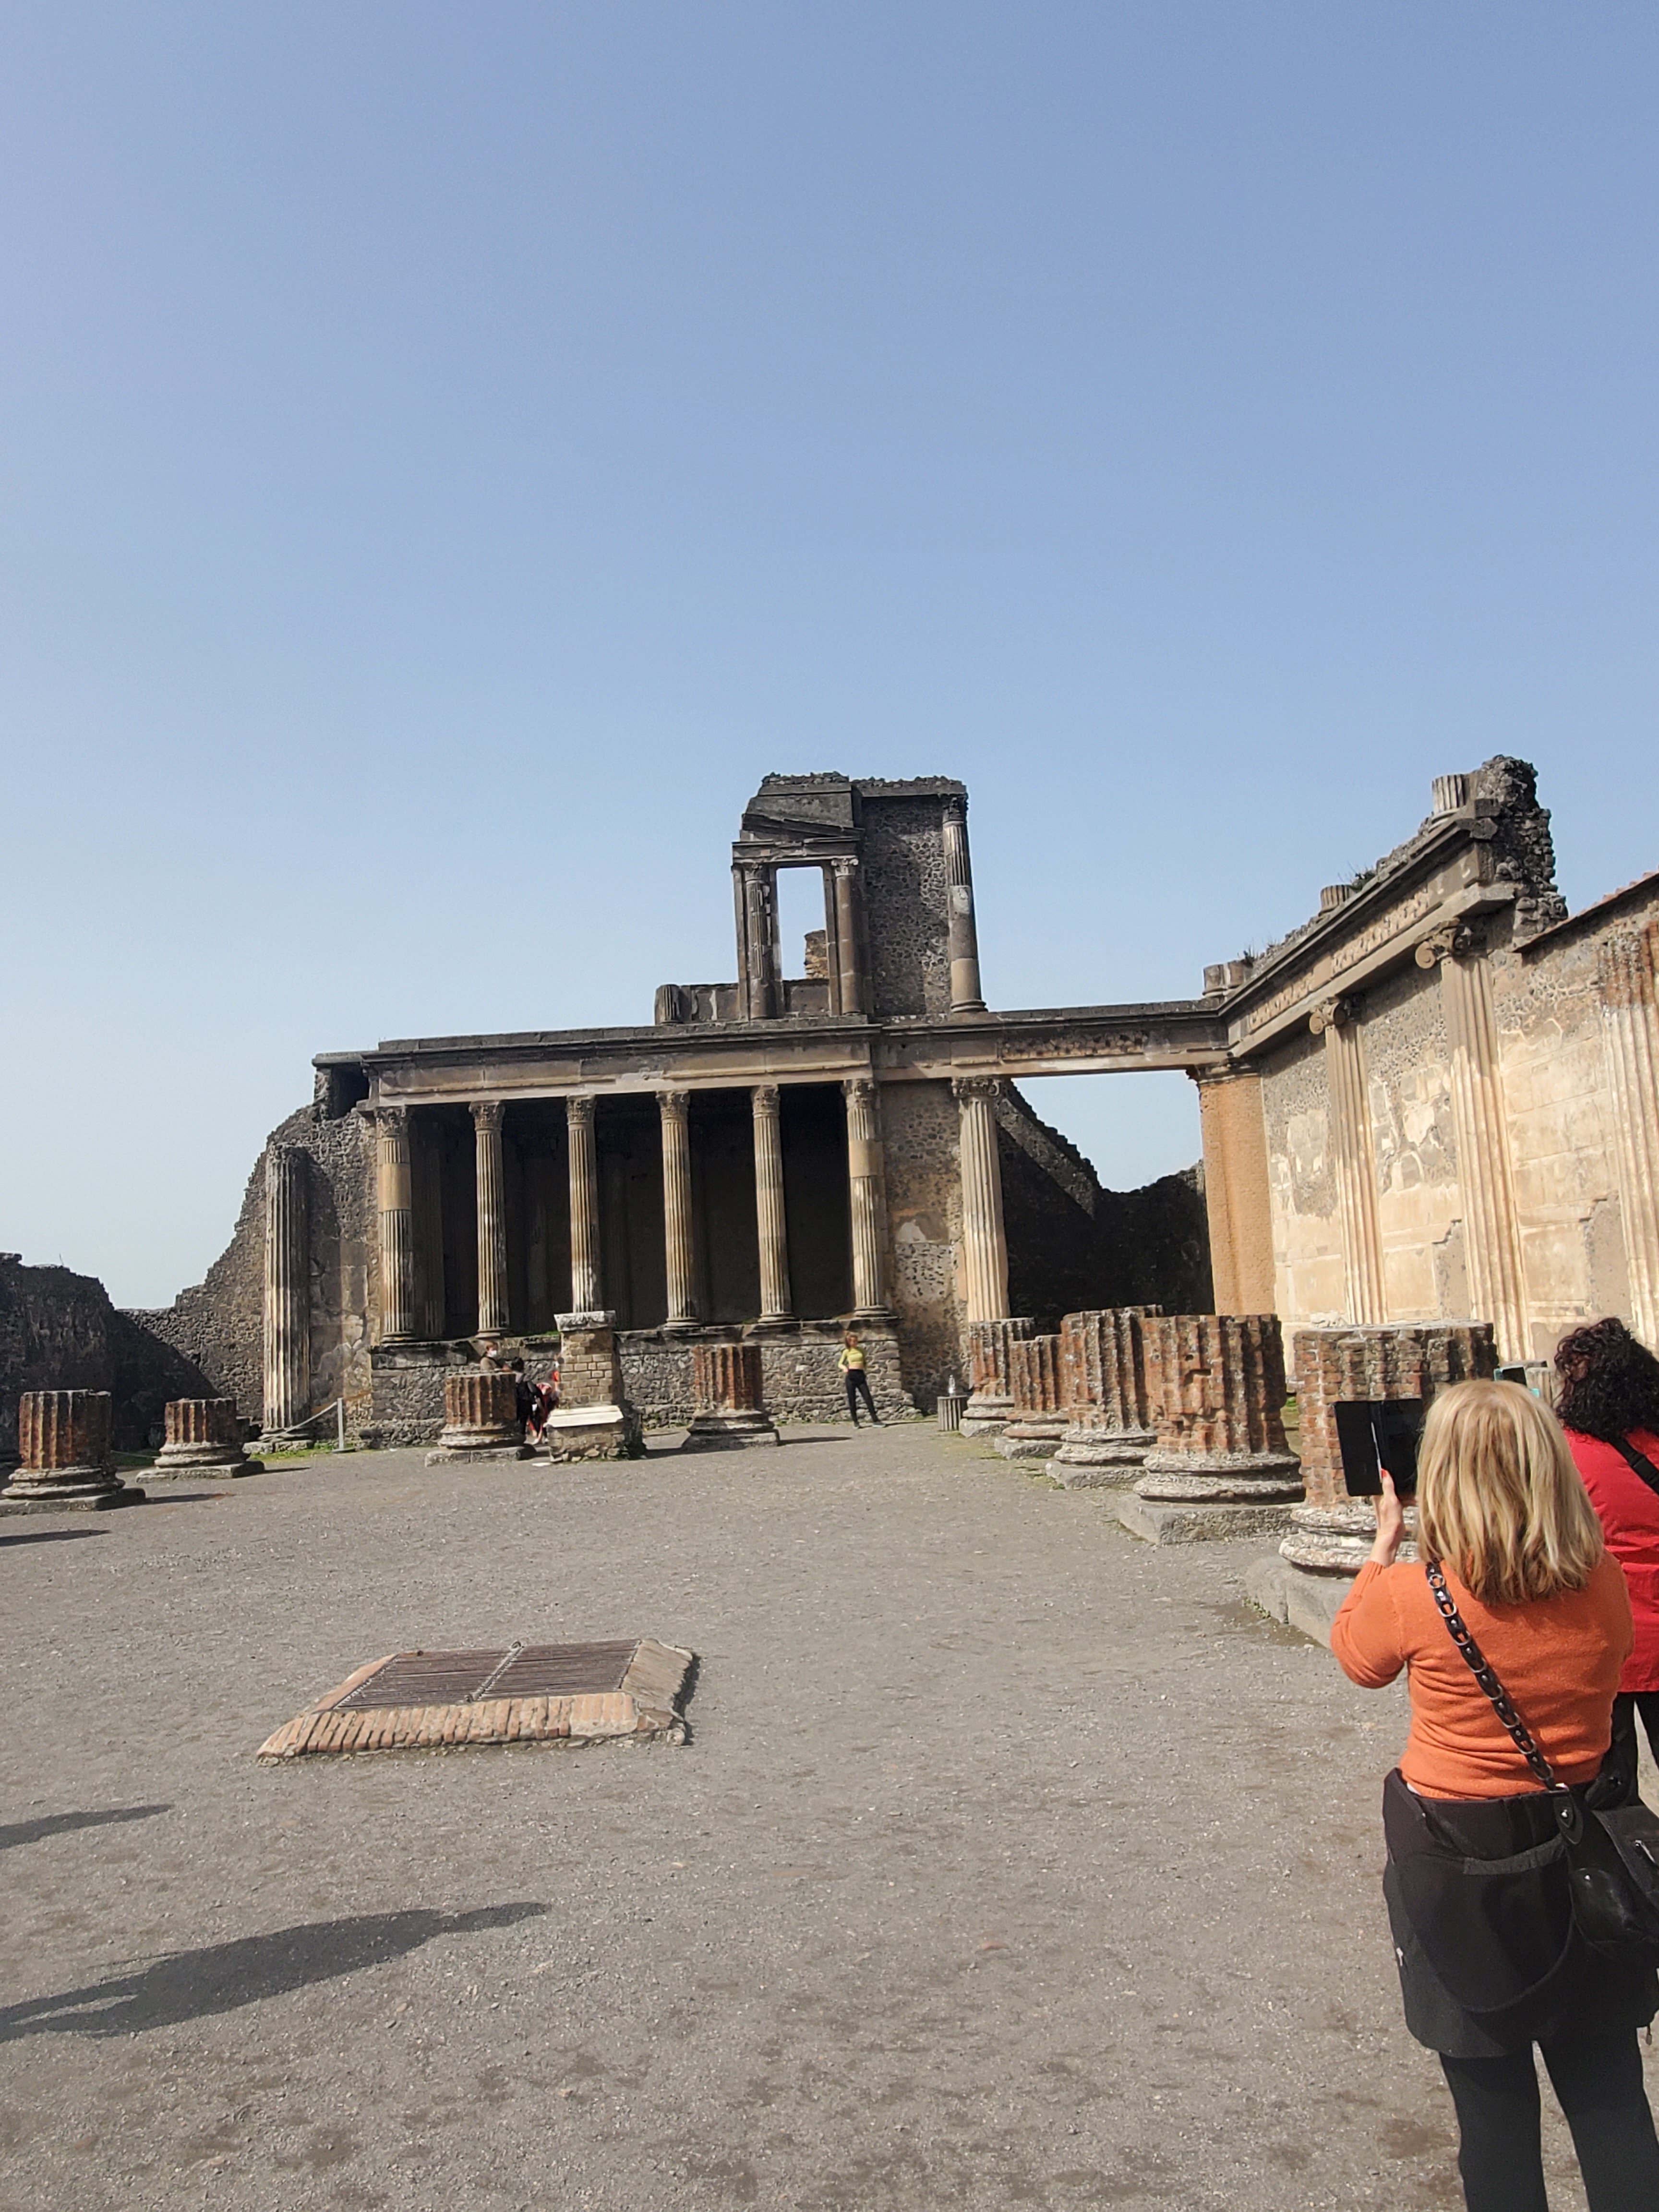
(1476, 1882)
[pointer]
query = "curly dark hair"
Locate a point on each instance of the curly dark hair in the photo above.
(1609, 1382)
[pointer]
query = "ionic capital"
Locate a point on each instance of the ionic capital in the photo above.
(846, 867)
(970, 1088)
(1455, 940)
(1333, 1014)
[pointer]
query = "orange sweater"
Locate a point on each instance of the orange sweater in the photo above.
(1559, 1658)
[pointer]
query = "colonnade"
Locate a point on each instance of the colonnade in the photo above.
(405, 1308)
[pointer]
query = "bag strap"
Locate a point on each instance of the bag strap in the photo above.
(1638, 1462)
(1480, 1667)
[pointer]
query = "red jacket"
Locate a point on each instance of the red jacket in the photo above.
(1630, 1519)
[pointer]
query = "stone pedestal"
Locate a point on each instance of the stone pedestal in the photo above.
(594, 1420)
(730, 1412)
(66, 1464)
(204, 1436)
(1037, 1419)
(1220, 1466)
(991, 1396)
(481, 1419)
(1109, 1428)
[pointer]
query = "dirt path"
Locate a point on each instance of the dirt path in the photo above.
(1011, 1863)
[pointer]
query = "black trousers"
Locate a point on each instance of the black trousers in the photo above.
(858, 1386)
(1621, 1752)
(1598, 2078)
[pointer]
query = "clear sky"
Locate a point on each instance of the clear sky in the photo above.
(452, 453)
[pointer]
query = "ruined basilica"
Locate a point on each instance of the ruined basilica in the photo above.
(1434, 1100)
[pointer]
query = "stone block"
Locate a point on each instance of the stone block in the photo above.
(1160, 1522)
(578, 1433)
(1310, 1602)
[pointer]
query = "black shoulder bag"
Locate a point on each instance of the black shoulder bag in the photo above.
(1613, 1856)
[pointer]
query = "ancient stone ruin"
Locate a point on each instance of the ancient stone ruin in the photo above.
(1220, 1466)
(204, 1436)
(67, 1459)
(730, 1406)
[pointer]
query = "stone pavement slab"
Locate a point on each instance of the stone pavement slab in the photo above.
(1011, 1862)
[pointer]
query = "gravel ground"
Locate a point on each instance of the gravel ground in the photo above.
(1011, 1862)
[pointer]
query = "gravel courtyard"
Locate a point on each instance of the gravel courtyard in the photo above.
(1011, 1862)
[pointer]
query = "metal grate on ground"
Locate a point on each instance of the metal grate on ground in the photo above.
(622, 1691)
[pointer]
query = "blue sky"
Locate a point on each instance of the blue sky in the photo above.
(452, 454)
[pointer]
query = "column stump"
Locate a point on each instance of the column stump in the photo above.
(1221, 1465)
(1103, 1370)
(204, 1436)
(731, 1413)
(1038, 1421)
(481, 1420)
(67, 1466)
(991, 1399)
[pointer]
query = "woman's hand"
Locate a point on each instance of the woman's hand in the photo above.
(1390, 1523)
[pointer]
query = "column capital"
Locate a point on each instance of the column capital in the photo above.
(956, 807)
(675, 1104)
(393, 1119)
(579, 1107)
(845, 865)
(487, 1115)
(765, 1097)
(1211, 1078)
(860, 1089)
(968, 1088)
(1334, 1014)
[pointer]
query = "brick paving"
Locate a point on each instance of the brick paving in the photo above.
(1011, 1864)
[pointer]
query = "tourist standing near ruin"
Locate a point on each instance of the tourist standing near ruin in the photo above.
(1608, 1403)
(852, 1365)
(1492, 1963)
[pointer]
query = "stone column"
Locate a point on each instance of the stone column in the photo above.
(1630, 1038)
(68, 1466)
(984, 1241)
(1236, 1196)
(1109, 1427)
(962, 936)
(849, 967)
(776, 1308)
(1353, 1153)
(1221, 1465)
(288, 1265)
(990, 1373)
(1039, 1414)
(680, 1240)
(594, 1420)
(492, 1218)
(757, 938)
(731, 1410)
(867, 1176)
(584, 1287)
(1486, 1177)
(204, 1436)
(1331, 1534)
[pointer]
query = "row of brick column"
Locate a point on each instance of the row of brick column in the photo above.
(285, 1261)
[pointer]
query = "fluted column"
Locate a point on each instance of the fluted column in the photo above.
(680, 1244)
(963, 937)
(1491, 1229)
(757, 938)
(770, 1219)
(287, 1273)
(584, 1286)
(848, 971)
(426, 1175)
(866, 1174)
(492, 1218)
(984, 1241)
(1630, 1038)
(1353, 1153)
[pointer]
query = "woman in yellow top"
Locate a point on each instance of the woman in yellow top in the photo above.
(851, 1364)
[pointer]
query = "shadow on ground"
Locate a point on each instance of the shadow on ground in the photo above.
(52, 1535)
(224, 1976)
(61, 1824)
